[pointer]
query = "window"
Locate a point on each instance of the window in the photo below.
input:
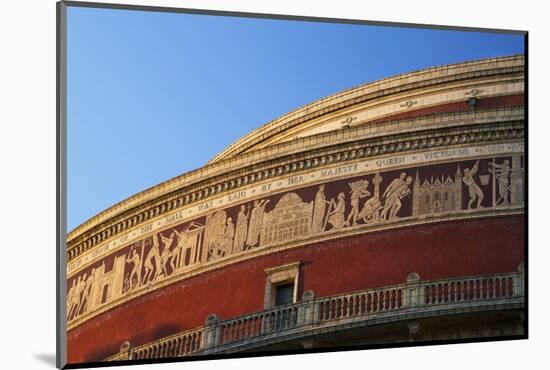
(284, 294)
(281, 285)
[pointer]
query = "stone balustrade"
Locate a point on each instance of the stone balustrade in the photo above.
(177, 345)
(413, 299)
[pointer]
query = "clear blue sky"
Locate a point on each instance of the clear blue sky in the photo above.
(154, 95)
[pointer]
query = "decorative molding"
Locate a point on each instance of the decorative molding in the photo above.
(409, 103)
(474, 92)
(347, 122)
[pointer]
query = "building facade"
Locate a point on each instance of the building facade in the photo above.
(388, 213)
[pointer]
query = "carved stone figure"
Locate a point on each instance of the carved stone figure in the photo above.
(358, 191)
(241, 229)
(136, 268)
(502, 175)
(336, 212)
(400, 190)
(474, 190)
(255, 227)
(319, 209)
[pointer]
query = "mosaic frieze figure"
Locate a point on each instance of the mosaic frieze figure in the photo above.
(241, 229)
(181, 239)
(85, 300)
(256, 219)
(73, 298)
(358, 191)
(229, 234)
(441, 194)
(168, 256)
(394, 193)
(152, 269)
(219, 235)
(336, 214)
(502, 174)
(78, 298)
(289, 220)
(190, 244)
(319, 209)
(474, 190)
(516, 181)
(371, 209)
(135, 259)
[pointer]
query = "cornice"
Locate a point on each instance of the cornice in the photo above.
(314, 151)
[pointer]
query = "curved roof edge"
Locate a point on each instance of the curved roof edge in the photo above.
(272, 128)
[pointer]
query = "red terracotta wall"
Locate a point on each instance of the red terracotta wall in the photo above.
(434, 251)
(486, 103)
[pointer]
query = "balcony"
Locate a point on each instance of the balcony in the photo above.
(413, 300)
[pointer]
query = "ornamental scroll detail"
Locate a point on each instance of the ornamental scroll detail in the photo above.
(329, 207)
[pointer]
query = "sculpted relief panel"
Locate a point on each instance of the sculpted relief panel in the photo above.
(378, 198)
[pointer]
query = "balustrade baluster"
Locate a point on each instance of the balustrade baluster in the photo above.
(345, 305)
(428, 289)
(232, 331)
(455, 291)
(255, 326)
(196, 341)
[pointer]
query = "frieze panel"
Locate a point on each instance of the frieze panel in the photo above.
(354, 202)
(267, 188)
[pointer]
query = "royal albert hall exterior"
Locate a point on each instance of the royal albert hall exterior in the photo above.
(388, 213)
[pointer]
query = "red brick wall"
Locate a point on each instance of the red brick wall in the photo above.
(385, 258)
(486, 103)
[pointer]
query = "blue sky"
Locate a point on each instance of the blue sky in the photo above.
(154, 95)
